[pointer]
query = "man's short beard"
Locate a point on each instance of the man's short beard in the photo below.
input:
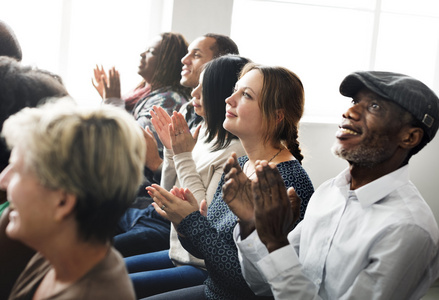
(363, 156)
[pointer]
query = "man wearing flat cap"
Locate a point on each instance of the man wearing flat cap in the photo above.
(367, 233)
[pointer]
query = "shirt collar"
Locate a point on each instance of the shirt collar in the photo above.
(377, 189)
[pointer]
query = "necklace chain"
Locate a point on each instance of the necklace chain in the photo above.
(248, 163)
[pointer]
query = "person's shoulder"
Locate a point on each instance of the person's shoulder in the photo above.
(409, 207)
(34, 272)
(171, 91)
(170, 97)
(294, 175)
(112, 262)
(108, 280)
(292, 166)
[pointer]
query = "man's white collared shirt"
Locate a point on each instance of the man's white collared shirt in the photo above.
(377, 242)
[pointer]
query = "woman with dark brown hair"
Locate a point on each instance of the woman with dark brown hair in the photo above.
(264, 113)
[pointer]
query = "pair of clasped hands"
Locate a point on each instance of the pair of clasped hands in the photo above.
(263, 204)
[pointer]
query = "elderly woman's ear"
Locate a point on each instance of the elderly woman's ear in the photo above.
(64, 205)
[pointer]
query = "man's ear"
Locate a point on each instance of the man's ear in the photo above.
(411, 137)
(65, 205)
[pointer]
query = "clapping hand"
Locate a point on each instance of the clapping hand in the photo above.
(173, 131)
(112, 86)
(152, 157)
(182, 139)
(238, 195)
(174, 205)
(161, 121)
(276, 210)
(99, 78)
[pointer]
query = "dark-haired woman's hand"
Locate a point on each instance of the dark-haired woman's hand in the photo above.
(182, 139)
(161, 121)
(174, 205)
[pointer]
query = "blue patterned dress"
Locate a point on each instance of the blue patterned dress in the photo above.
(211, 238)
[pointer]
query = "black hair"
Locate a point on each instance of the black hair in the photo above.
(23, 86)
(9, 45)
(223, 45)
(219, 79)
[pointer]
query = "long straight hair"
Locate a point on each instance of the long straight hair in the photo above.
(219, 79)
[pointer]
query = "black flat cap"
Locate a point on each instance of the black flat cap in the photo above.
(409, 93)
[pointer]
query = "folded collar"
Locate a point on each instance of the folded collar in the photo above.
(377, 189)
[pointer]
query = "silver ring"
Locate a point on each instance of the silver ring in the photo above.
(163, 207)
(181, 132)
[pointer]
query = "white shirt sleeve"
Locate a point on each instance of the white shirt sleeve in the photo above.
(277, 273)
(394, 270)
(250, 251)
(283, 271)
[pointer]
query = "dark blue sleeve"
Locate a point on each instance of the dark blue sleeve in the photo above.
(194, 220)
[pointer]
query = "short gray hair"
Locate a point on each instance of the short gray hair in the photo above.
(96, 154)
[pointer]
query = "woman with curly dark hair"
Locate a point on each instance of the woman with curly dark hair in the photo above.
(160, 68)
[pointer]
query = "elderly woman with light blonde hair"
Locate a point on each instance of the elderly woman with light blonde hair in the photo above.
(67, 195)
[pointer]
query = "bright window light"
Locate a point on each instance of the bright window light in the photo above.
(70, 37)
(323, 41)
(320, 40)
